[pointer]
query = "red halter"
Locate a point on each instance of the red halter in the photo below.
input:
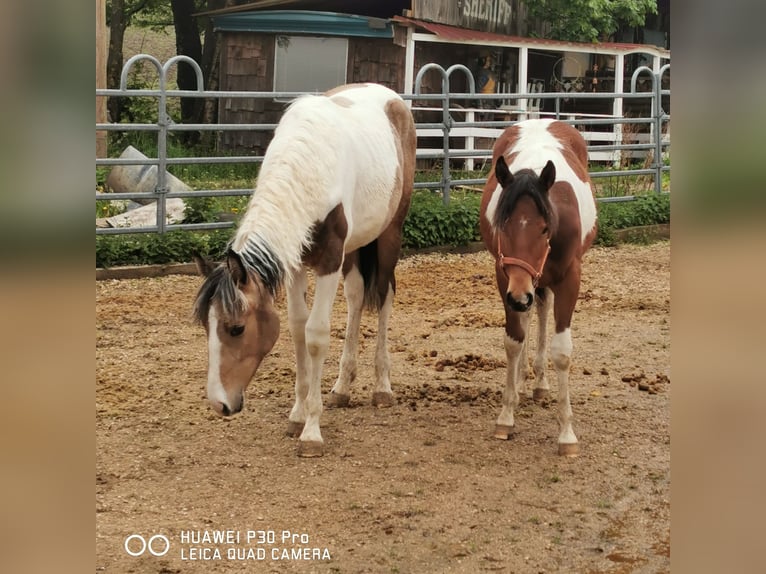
(503, 261)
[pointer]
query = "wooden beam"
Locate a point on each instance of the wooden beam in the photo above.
(102, 41)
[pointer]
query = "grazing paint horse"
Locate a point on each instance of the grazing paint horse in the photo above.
(331, 196)
(538, 217)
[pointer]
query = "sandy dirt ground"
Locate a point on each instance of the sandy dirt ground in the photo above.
(419, 487)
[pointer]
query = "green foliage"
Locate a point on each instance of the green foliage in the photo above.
(150, 248)
(109, 208)
(200, 209)
(589, 20)
(649, 209)
(430, 222)
(155, 15)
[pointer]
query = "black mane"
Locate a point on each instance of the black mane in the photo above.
(525, 182)
(221, 284)
(258, 258)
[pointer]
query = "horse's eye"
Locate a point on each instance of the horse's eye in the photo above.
(237, 330)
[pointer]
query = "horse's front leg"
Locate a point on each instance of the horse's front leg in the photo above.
(543, 304)
(514, 346)
(317, 342)
(353, 288)
(523, 362)
(561, 356)
(297, 315)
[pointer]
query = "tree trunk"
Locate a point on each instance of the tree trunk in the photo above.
(101, 53)
(117, 24)
(210, 70)
(188, 43)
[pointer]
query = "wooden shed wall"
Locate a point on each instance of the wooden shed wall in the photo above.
(374, 60)
(247, 64)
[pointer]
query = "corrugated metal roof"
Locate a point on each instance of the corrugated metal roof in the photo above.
(468, 36)
(304, 22)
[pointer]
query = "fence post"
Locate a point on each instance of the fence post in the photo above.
(658, 130)
(446, 117)
(657, 115)
(163, 121)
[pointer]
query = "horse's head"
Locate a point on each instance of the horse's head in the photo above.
(524, 222)
(242, 326)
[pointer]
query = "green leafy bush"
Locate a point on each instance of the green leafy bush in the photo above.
(429, 224)
(200, 209)
(151, 248)
(649, 209)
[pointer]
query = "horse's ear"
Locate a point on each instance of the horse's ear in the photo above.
(236, 267)
(204, 267)
(502, 173)
(548, 175)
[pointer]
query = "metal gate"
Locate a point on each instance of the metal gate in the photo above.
(473, 128)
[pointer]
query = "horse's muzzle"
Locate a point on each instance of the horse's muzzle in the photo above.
(519, 306)
(228, 410)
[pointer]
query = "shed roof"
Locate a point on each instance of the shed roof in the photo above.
(304, 22)
(455, 34)
(377, 8)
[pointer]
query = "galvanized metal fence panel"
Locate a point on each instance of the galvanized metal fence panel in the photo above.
(603, 145)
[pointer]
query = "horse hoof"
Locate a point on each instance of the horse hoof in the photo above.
(570, 449)
(382, 400)
(539, 394)
(504, 432)
(336, 400)
(294, 429)
(310, 448)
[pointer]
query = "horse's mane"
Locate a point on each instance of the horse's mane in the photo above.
(259, 259)
(219, 284)
(525, 182)
(289, 197)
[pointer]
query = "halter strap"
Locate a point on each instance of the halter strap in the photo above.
(504, 261)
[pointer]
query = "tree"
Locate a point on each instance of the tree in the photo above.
(119, 13)
(189, 31)
(589, 20)
(189, 42)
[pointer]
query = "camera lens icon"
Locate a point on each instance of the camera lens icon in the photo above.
(136, 545)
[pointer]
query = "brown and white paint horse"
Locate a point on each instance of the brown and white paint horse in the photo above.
(538, 217)
(331, 196)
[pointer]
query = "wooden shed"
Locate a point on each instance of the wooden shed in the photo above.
(343, 41)
(292, 51)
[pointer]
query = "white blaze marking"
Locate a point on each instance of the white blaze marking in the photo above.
(215, 390)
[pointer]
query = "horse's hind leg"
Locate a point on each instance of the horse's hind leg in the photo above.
(297, 315)
(353, 288)
(544, 302)
(388, 247)
(382, 396)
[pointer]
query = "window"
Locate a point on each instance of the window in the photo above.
(309, 64)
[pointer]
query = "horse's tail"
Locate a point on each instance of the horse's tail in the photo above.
(376, 283)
